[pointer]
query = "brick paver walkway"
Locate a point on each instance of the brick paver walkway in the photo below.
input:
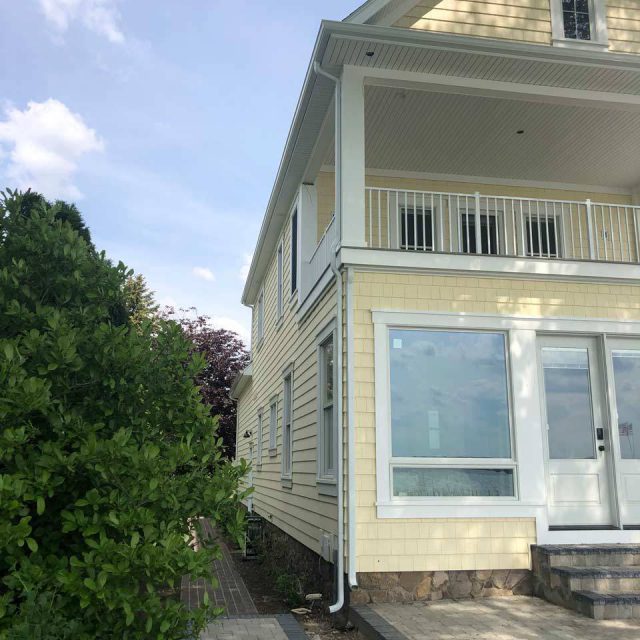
(512, 618)
(232, 594)
(240, 620)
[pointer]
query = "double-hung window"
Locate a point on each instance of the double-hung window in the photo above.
(542, 236)
(449, 415)
(327, 418)
(259, 441)
(260, 317)
(489, 232)
(287, 425)
(416, 228)
(279, 294)
(273, 426)
(579, 21)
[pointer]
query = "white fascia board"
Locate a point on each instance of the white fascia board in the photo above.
(252, 282)
(487, 46)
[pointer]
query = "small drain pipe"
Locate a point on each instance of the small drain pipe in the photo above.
(339, 603)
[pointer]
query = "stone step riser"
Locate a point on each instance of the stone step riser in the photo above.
(604, 585)
(595, 560)
(601, 582)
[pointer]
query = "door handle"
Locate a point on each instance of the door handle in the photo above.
(601, 447)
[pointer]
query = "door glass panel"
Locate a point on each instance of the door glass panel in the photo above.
(567, 387)
(626, 369)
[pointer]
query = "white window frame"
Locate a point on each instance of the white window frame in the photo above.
(599, 31)
(273, 427)
(450, 462)
(294, 259)
(260, 427)
(326, 478)
(260, 318)
(280, 290)
(287, 425)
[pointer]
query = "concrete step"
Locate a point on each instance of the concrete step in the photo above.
(588, 555)
(620, 579)
(607, 606)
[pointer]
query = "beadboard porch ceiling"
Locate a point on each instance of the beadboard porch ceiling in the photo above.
(444, 133)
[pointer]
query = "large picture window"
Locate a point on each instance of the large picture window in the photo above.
(450, 414)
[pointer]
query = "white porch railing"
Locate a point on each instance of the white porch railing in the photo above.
(501, 225)
(320, 260)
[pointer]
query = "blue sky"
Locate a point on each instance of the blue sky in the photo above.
(164, 120)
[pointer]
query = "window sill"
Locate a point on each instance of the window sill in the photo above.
(327, 488)
(287, 483)
(273, 452)
(585, 45)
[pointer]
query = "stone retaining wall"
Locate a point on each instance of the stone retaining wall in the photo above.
(412, 586)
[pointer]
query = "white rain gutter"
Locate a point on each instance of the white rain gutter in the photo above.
(339, 603)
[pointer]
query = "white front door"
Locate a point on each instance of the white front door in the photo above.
(624, 361)
(578, 442)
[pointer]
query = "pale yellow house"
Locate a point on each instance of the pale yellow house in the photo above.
(446, 296)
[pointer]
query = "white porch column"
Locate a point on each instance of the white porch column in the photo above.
(350, 184)
(308, 221)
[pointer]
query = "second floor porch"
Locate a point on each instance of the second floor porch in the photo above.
(457, 179)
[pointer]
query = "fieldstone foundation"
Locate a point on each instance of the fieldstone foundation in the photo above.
(415, 586)
(282, 554)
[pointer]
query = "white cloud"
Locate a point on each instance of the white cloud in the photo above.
(45, 142)
(100, 16)
(246, 265)
(223, 322)
(204, 273)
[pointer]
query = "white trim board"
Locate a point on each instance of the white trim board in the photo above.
(476, 265)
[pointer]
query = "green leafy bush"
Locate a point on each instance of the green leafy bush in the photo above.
(107, 454)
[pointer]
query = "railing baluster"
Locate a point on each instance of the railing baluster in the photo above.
(605, 233)
(627, 231)
(424, 226)
(370, 220)
(379, 219)
(388, 220)
(546, 224)
(441, 225)
(621, 245)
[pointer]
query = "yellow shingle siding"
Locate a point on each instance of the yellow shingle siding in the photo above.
(522, 20)
(429, 544)
(623, 23)
(300, 511)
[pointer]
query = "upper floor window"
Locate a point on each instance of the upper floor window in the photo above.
(294, 252)
(579, 23)
(576, 15)
(260, 318)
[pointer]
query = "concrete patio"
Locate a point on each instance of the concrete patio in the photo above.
(509, 618)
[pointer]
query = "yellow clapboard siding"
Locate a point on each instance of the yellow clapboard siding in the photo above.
(431, 544)
(301, 511)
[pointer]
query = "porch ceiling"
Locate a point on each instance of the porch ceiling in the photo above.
(418, 131)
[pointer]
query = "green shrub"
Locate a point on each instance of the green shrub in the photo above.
(107, 454)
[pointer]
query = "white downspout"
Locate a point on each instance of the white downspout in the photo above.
(351, 434)
(339, 603)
